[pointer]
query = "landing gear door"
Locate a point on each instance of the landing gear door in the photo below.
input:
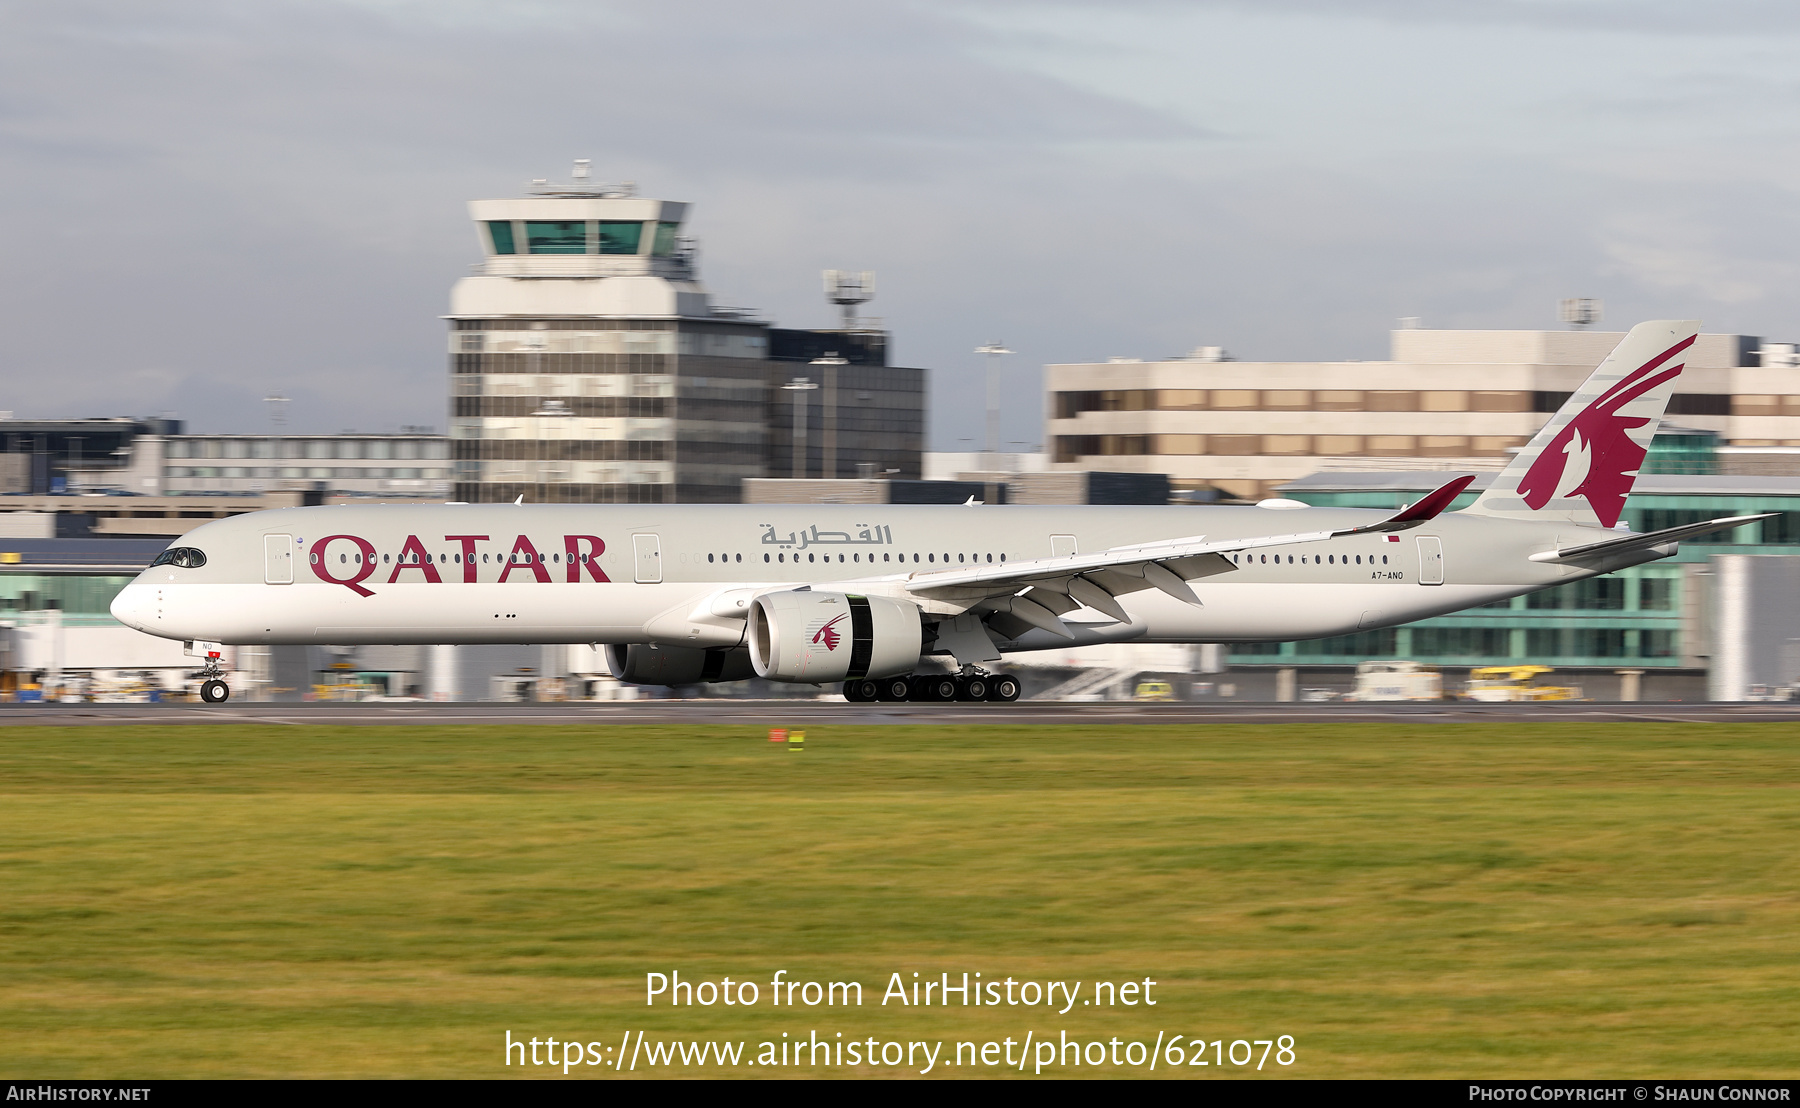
(1431, 560)
(278, 559)
(648, 558)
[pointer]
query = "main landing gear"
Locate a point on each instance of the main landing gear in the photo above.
(970, 685)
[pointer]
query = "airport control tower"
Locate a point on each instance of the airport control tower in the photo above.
(589, 365)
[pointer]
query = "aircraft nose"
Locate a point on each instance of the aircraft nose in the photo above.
(134, 606)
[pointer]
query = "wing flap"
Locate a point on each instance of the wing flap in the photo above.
(1168, 565)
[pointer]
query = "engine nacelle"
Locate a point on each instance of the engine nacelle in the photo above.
(641, 664)
(814, 637)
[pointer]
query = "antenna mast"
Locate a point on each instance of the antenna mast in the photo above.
(847, 290)
(1578, 313)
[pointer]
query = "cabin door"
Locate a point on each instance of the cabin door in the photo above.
(1431, 560)
(278, 559)
(1061, 545)
(648, 550)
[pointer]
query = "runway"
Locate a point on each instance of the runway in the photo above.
(820, 713)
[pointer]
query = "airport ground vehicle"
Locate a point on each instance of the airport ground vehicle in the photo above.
(1154, 690)
(1397, 680)
(861, 594)
(1500, 684)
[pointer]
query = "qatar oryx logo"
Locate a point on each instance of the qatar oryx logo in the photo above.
(1595, 454)
(828, 635)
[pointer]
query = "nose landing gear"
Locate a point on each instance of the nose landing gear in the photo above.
(214, 690)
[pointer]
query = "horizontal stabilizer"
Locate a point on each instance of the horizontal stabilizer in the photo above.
(1611, 547)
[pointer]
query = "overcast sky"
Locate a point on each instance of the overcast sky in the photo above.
(203, 202)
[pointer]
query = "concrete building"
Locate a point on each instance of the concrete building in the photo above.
(155, 457)
(1444, 399)
(45, 457)
(589, 364)
(1755, 627)
(415, 464)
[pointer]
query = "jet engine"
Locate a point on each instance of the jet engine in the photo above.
(641, 664)
(815, 637)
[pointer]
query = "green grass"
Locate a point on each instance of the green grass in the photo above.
(1469, 901)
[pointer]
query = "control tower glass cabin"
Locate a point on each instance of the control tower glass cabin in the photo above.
(588, 364)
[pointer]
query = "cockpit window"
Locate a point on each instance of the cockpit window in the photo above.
(181, 557)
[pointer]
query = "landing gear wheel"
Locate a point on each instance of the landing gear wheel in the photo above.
(896, 689)
(973, 687)
(215, 691)
(1003, 689)
(863, 691)
(938, 687)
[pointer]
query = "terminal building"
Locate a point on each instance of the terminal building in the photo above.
(1444, 399)
(1657, 618)
(589, 364)
(155, 457)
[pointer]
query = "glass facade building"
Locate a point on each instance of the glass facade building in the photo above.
(1651, 616)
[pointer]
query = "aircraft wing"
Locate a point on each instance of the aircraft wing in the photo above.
(1040, 591)
(1626, 543)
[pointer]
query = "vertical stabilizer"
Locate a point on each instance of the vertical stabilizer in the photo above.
(1582, 465)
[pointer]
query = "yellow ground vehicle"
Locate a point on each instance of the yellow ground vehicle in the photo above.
(1154, 690)
(1497, 684)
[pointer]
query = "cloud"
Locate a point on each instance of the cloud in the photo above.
(207, 201)
(1661, 17)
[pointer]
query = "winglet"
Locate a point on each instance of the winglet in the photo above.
(1432, 503)
(1426, 508)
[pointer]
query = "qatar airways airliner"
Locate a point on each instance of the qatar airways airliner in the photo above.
(818, 594)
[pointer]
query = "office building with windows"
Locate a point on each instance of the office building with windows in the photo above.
(156, 457)
(1449, 399)
(406, 465)
(588, 364)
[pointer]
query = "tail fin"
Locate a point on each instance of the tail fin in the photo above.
(1593, 447)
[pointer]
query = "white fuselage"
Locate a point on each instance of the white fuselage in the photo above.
(681, 575)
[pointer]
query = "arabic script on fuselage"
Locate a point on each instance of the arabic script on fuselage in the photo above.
(865, 535)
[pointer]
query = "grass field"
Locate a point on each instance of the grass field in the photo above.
(1468, 901)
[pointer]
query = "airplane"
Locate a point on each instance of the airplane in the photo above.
(860, 594)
